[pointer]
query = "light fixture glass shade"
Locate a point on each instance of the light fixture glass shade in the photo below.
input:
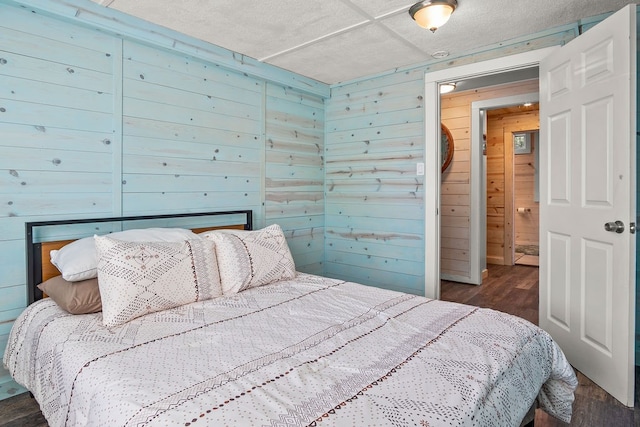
(447, 87)
(432, 14)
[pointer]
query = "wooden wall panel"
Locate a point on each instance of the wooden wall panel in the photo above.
(455, 199)
(192, 96)
(294, 187)
(374, 200)
(95, 125)
(56, 107)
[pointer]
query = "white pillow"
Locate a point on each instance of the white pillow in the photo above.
(77, 260)
(247, 259)
(137, 278)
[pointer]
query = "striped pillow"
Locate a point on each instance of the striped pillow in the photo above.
(247, 259)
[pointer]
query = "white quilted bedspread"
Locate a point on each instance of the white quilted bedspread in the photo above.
(309, 351)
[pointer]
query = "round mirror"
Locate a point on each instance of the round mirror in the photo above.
(446, 147)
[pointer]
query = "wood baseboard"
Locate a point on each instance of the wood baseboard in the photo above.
(495, 260)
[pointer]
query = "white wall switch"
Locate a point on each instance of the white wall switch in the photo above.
(419, 169)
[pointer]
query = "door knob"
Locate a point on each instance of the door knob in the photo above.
(617, 226)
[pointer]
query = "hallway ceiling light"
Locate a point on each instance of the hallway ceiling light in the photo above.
(447, 87)
(432, 14)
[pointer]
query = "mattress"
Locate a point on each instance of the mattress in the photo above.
(307, 351)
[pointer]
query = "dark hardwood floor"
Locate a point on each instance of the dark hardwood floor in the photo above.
(510, 289)
(21, 411)
(514, 289)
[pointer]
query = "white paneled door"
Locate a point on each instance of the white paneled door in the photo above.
(588, 182)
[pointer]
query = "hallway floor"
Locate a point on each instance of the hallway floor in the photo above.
(526, 255)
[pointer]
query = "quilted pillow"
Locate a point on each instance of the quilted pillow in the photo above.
(247, 259)
(137, 278)
(77, 260)
(74, 297)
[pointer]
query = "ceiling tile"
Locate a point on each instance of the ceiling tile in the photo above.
(377, 8)
(264, 29)
(364, 51)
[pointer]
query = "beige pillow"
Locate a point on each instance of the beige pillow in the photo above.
(74, 297)
(137, 278)
(247, 259)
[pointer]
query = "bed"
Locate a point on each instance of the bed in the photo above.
(272, 348)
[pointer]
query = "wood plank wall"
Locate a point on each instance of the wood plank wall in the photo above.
(374, 199)
(295, 173)
(455, 201)
(96, 125)
(191, 135)
(56, 122)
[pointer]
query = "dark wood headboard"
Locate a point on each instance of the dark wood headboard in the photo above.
(39, 267)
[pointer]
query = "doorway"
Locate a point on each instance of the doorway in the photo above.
(477, 214)
(433, 80)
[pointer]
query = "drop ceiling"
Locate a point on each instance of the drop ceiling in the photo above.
(334, 41)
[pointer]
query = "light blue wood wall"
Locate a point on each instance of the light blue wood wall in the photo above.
(93, 124)
(56, 121)
(374, 199)
(294, 183)
(192, 135)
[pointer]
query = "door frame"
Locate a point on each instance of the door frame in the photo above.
(432, 179)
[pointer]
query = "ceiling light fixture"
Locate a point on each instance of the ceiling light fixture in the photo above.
(432, 14)
(440, 54)
(447, 87)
